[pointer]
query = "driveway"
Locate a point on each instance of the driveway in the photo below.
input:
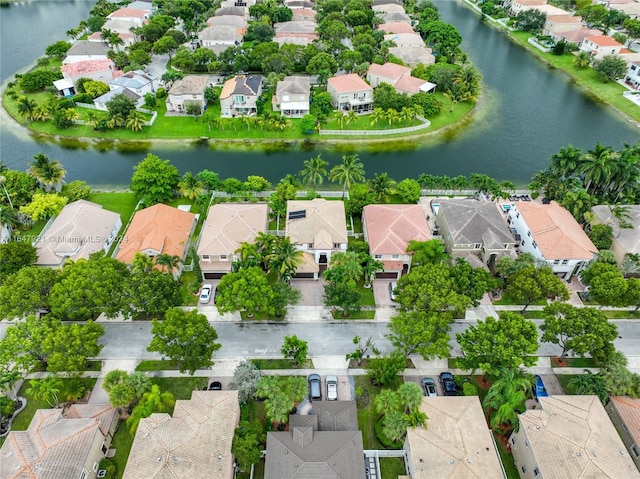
(381, 292)
(312, 291)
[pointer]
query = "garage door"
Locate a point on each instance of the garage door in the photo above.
(213, 275)
(303, 276)
(387, 275)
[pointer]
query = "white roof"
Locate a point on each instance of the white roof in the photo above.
(62, 84)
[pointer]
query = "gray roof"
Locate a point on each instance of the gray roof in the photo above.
(294, 85)
(393, 17)
(245, 85)
(118, 91)
(237, 11)
(190, 85)
(296, 26)
(472, 221)
(336, 415)
(140, 5)
(133, 79)
(224, 33)
(303, 452)
(84, 47)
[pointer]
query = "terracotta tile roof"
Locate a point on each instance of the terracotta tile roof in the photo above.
(349, 83)
(604, 41)
(228, 225)
(195, 443)
(389, 228)
(557, 234)
(564, 18)
(457, 442)
(409, 84)
(87, 67)
(129, 13)
(81, 228)
(572, 436)
(159, 229)
(324, 223)
(303, 13)
(53, 447)
(392, 71)
(396, 27)
(629, 411)
(628, 238)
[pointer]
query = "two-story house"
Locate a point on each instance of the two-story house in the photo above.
(388, 229)
(220, 37)
(226, 227)
(292, 96)
(396, 27)
(318, 228)
(561, 23)
(600, 46)
(350, 92)
(85, 50)
(624, 412)
(405, 40)
(519, 5)
(626, 239)
(136, 81)
(239, 96)
(98, 70)
(189, 89)
(633, 75)
(472, 228)
(399, 77)
(551, 234)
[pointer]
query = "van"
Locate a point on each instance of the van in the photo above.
(392, 290)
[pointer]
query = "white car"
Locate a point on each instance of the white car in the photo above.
(332, 388)
(205, 293)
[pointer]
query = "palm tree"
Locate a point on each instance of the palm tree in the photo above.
(427, 252)
(71, 115)
(141, 263)
(314, 171)
(40, 113)
(566, 162)
(9, 218)
(381, 186)
(75, 389)
(340, 118)
(135, 121)
(45, 389)
(370, 266)
(469, 77)
(352, 116)
(8, 381)
(248, 257)
(578, 203)
(349, 171)
(26, 107)
(406, 114)
(392, 116)
(168, 262)
(3, 182)
(582, 60)
(506, 397)
(154, 401)
(190, 186)
(589, 383)
(49, 173)
(377, 115)
(285, 259)
(265, 245)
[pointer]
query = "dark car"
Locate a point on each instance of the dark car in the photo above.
(449, 386)
(541, 391)
(429, 387)
(215, 386)
(314, 387)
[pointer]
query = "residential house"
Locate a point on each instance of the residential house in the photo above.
(474, 228)
(233, 11)
(405, 40)
(80, 229)
(632, 77)
(388, 8)
(189, 89)
(226, 227)
(569, 436)
(84, 50)
(292, 96)
(59, 445)
(386, 2)
(600, 45)
(413, 56)
(303, 15)
(289, 39)
(99, 70)
(388, 229)
(141, 5)
(239, 96)
(632, 9)
(457, 443)
(550, 10)
(393, 17)
(239, 23)
(626, 239)
(220, 37)
(561, 23)
(624, 412)
(64, 87)
(551, 234)
(137, 81)
(318, 228)
(137, 17)
(101, 101)
(350, 92)
(194, 443)
(519, 5)
(399, 77)
(396, 27)
(324, 444)
(296, 29)
(156, 230)
(575, 37)
(299, 4)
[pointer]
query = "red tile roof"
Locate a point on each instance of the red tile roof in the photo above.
(389, 228)
(604, 41)
(348, 83)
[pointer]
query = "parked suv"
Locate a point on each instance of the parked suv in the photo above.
(392, 290)
(332, 388)
(314, 387)
(449, 386)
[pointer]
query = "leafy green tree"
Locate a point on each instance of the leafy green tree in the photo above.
(360, 195)
(150, 293)
(256, 183)
(85, 289)
(421, 332)
(618, 380)
(22, 345)
(68, 347)
(191, 186)
(532, 284)
(589, 383)
(530, 20)
(409, 190)
(508, 342)
(120, 105)
(246, 290)
(245, 380)
(153, 401)
(278, 199)
(165, 46)
(295, 349)
(76, 190)
(210, 179)
(601, 235)
(185, 336)
(443, 37)
(259, 32)
(632, 26)
(362, 348)
(14, 256)
(384, 370)
(249, 440)
(38, 79)
(322, 62)
(607, 285)
(506, 398)
(610, 68)
(20, 187)
(281, 395)
(154, 180)
(474, 282)
(95, 88)
(58, 49)
(343, 295)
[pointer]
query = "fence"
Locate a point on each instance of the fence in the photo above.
(454, 192)
(267, 194)
(426, 124)
(91, 106)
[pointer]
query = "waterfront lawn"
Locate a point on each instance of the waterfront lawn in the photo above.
(123, 203)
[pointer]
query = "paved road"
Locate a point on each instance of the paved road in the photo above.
(129, 340)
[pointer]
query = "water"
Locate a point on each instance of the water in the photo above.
(528, 112)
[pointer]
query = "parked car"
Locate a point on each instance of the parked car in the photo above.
(332, 388)
(205, 293)
(449, 386)
(541, 391)
(392, 290)
(314, 387)
(215, 386)
(429, 387)
(215, 295)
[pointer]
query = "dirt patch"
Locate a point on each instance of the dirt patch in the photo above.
(483, 382)
(558, 363)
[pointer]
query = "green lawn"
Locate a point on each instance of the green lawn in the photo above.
(123, 203)
(189, 288)
(508, 300)
(158, 365)
(564, 380)
(33, 232)
(366, 414)
(366, 296)
(507, 460)
(281, 364)
(122, 442)
(392, 467)
(363, 314)
(576, 363)
(181, 388)
(622, 314)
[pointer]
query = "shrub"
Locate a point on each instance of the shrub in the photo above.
(469, 389)
(382, 438)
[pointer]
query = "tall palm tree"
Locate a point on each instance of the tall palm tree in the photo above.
(597, 167)
(578, 203)
(566, 162)
(377, 115)
(582, 60)
(392, 116)
(352, 116)
(8, 381)
(248, 257)
(469, 77)
(349, 171)
(370, 266)
(135, 121)
(190, 186)
(49, 173)
(26, 107)
(9, 217)
(314, 171)
(3, 182)
(285, 259)
(406, 114)
(168, 262)
(265, 245)
(381, 186)
(506, 397)
(141, 263)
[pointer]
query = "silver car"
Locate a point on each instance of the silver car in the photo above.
(332, 388)
(429, 387)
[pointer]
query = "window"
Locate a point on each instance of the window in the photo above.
(557, 261)
(526, 443)
(84, 474)
(536, 471)
(310, 245)
(239, 99)
(477, 246)
(223, 257)
(517, 215)
(513, 440)
(104, 448)
(336, 245)
(377, 256)
(534, 244)
(206, 257)
(529, 234)
(524, 469)
(565, 261)
(635, 451)
(395, 256)
(95, 467)
(522, 243)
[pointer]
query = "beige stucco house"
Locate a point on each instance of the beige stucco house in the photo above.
(189, 89)
(457, 443)
(81, 229)
(570, 436)
(226, 227)
(292, 96)
(388, 230)
(318, 228)
(239, 96)
(624, 412)
(195, 443)
(350, 92)
(600, 46)
(57, 446)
